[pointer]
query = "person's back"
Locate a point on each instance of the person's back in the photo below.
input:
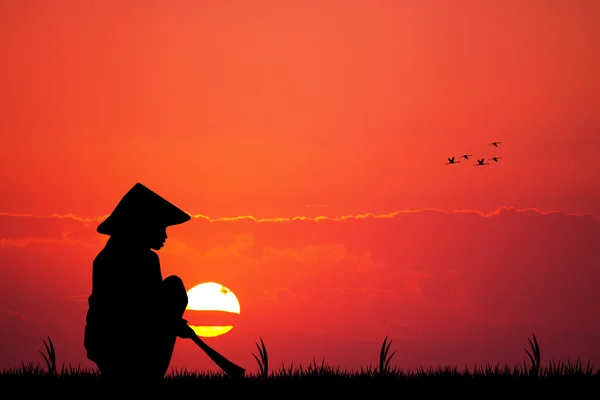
(125, 288)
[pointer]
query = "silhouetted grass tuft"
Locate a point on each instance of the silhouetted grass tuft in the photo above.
(384, 359)
(263, 362)
(534, 357)
(49, 356)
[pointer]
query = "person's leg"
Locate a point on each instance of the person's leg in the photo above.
(147, 356)
(175, 301)
(113, 371)
(139, 365)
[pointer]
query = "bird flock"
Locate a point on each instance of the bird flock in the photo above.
(480, 162)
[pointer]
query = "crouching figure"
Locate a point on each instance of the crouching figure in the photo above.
(134, 316)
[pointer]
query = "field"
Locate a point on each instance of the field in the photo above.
(317, 377)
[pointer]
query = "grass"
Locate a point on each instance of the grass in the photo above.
(300, 377)
(262, 359)
(384, 359)
(49, 357)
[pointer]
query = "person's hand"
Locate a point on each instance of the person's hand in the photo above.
(185, 332)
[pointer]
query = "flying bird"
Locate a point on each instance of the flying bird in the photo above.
(495, 144)
(496, 158)
(451, 161)
(480, 162)
(466, 156)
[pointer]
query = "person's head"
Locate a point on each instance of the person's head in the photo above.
(143, 235)
(155, 237)
(141, 218)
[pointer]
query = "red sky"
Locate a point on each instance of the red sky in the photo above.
(308, 108)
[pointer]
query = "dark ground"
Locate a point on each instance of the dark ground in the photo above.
(315, 386)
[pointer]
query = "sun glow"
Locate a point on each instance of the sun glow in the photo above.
(211, 331)
(212, 296)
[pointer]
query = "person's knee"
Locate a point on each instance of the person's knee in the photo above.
(174, 281)
(175, 290)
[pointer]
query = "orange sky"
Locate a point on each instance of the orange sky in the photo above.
(306, 108)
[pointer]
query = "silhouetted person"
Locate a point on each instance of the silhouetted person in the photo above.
(135, 316)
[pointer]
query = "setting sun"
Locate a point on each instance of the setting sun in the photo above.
(212, 296)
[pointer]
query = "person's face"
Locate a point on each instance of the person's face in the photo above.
(156, 237)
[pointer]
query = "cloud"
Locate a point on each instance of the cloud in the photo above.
(497, 211)
(22, 230)
(6, 316)
(280, 295)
